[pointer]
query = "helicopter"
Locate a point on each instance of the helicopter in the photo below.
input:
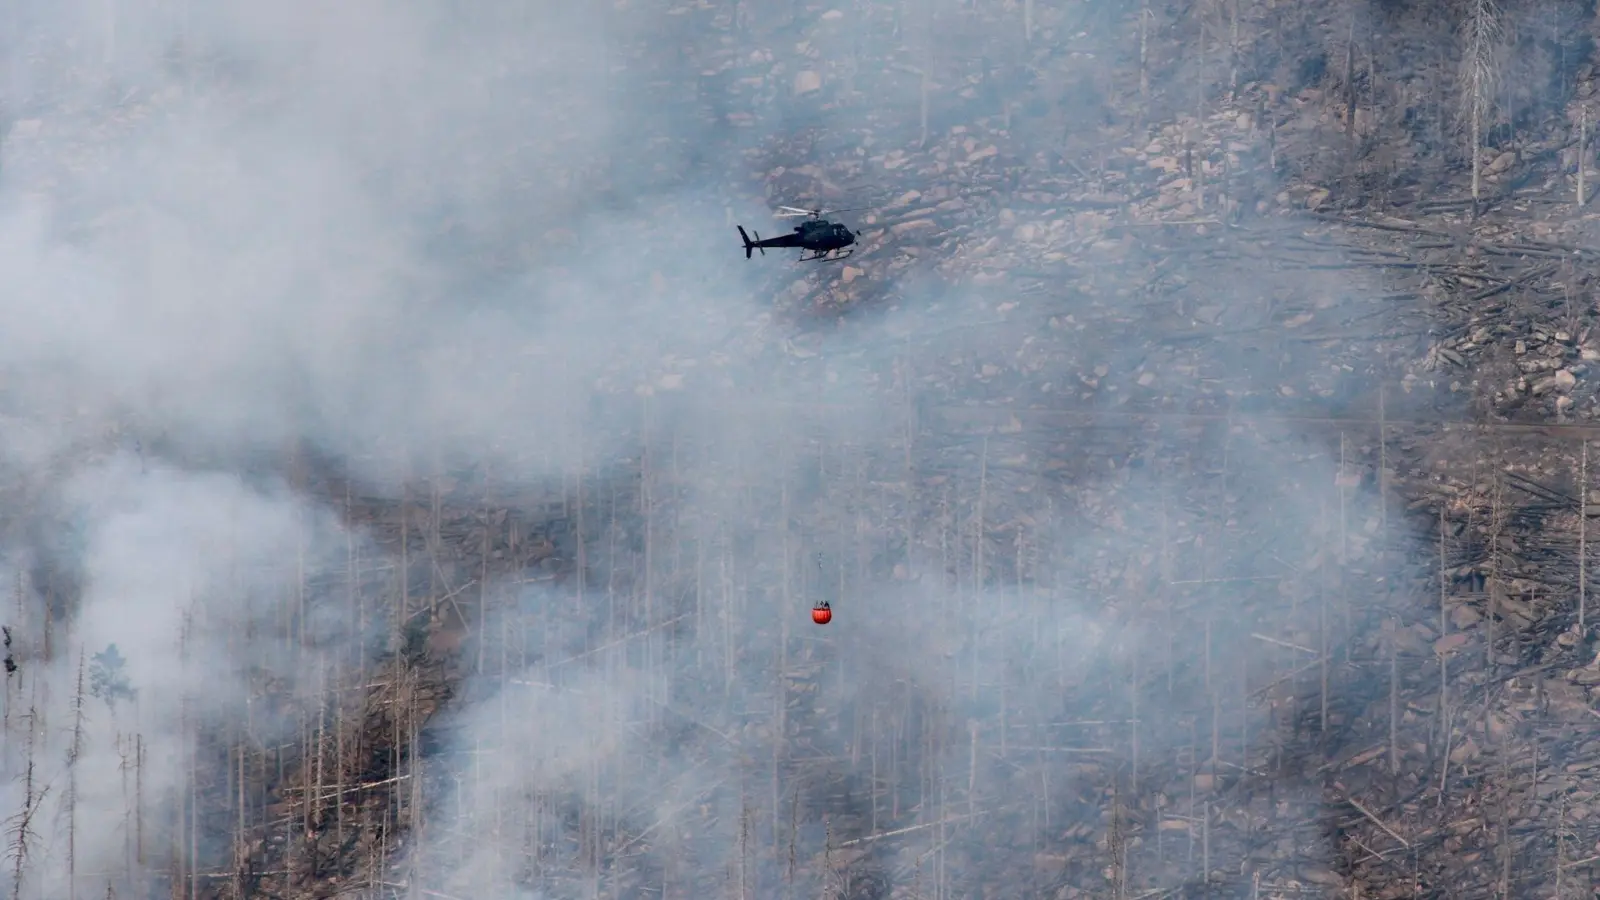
(825, 241)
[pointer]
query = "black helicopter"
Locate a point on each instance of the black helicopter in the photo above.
(825, 241)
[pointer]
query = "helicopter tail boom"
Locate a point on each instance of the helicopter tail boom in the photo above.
(749, 244)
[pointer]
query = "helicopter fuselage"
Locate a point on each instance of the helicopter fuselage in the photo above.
(822, 236)
(819, 237)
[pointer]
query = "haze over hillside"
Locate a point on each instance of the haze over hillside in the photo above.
(411, 491)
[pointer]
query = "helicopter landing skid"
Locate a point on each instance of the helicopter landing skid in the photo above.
(830, 256)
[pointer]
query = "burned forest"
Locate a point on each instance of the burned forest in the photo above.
(412, 492)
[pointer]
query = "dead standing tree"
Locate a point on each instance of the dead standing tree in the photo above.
(1482, 35)
(19, 827)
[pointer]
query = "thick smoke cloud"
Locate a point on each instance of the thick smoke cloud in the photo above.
(183, 578)
(349, 244)
(686, 733)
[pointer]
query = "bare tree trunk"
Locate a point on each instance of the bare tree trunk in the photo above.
(1479, 75)
(1583, 535)
(1477, 157)
(20, 830)
(418, 830)
(1583, 156)
(1233, 48)
(138, 799)
(1350, 90)
(74, 752)
(1394, 697)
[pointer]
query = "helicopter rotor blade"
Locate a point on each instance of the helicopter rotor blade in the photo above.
(794, 212)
